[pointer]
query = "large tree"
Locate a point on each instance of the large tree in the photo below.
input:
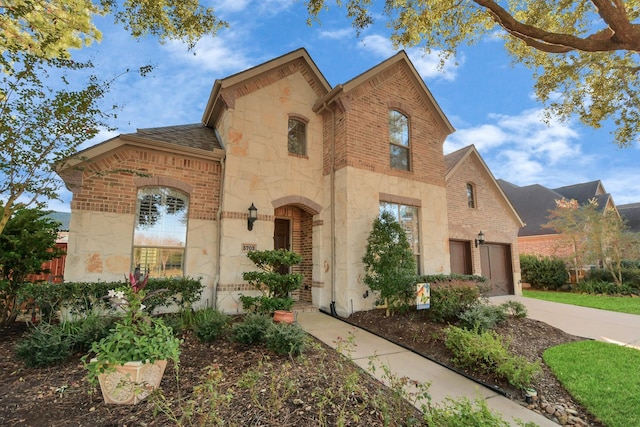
(50, 28)
(40, 127)
(595, 234)
(583, 53)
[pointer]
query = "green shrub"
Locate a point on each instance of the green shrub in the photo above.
(285, 338)
(84, 332)
(463, 412)
(263, 304)
(252, 330)
(45, 345)
(482, 317)
(543, 272)
(486, 351)
(630, 281)
(514, 309)
(452, 299)
(84, 297)
(210, 324)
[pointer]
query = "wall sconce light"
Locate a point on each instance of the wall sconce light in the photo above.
(253, 216)
(480, 239)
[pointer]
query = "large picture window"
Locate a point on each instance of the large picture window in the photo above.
(399, 140)
(407, 216)
(160, 234)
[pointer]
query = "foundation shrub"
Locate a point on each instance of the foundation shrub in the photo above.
(283, 338)
(45, 345)
(210, 324)
(451, 299)
(486, 351)
(482, 317)
(252, 330)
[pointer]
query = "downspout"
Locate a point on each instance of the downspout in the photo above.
(332, 306)
(219, 220)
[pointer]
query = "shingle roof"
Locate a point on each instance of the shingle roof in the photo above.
(452, 159)
(582, 192)
(631, 213)
(532, 203)
(194, 135)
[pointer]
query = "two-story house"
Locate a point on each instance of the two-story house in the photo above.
(280, 159)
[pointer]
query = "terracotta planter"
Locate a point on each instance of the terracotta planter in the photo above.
(283, 316)
(132, 382)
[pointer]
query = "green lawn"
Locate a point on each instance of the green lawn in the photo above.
(604, 302)
(601, 376)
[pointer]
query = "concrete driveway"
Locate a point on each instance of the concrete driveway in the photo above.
(601, 325)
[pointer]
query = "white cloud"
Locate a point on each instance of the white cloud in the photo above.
(270, 7)
(525, 150)
(484, 137)
(219, 54)
(337, 34)
(427, 65)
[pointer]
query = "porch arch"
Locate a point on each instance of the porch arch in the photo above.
(304, 203)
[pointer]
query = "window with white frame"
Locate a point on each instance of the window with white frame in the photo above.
(160, 234)
(399, 140)
(297, 136)
(407, 216)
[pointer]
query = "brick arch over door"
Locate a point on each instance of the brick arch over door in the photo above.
(300, 241)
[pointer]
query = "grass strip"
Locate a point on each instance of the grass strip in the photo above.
(630, 305)
(603, 377)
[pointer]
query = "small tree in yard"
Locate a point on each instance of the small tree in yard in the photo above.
(390, 268)
(28, 241)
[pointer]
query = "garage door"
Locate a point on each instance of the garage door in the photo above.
(495, 261)
(460, 256)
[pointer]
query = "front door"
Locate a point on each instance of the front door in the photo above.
(282, 238)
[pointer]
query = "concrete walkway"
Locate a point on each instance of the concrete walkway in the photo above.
(402, 362)
(601, 325)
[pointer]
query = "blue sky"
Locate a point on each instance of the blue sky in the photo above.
(487, 99)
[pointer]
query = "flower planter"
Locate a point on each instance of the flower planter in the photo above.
(132, 382)
(283, 316)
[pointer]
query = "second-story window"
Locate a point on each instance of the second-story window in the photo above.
(297, 137)
(399, 140)
(471, 195)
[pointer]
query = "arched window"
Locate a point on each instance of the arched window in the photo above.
(297, 136)
(471, 195)
(399, 140)
(160, 234)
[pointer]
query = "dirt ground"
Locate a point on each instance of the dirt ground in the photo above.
(250, 386)
(527, 337)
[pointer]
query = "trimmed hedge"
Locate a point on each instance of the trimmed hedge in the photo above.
(83, 297)
(543, 272)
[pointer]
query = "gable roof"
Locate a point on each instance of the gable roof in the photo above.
(631, 214)
(62, 217)
(399, 58)
(455, 159)
(582, 192)
(533, 202)
(217, 101)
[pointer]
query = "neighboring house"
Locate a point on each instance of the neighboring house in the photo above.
(476, 204)
(534, 203)
(631, 214)
(318, 162)
(56, 266)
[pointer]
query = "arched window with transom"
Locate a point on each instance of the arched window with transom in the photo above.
(160, 235)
